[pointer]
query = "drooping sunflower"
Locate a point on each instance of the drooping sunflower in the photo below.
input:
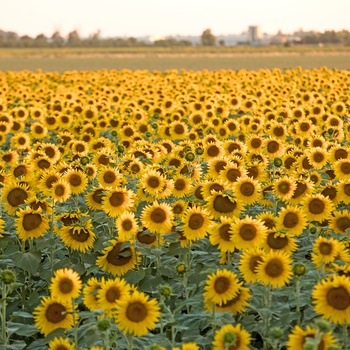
(275, 269)
(221, 286)
(117, 200)
(231, 337)
(317, 207)
(136, 314)
(13, 195)
(127, 226)
(247, 190)
(65, 285)
(340, 221)
(61, 344)
(78, 237)
(196, 223)
(94, 198)
(298, 337)
(219, 204)
(292, 220)
(248, 233)
(219, 234)
(31, 223)
(284, 188)
(158, 217)
(51, 315)
(249, 261)
(90, 292)
(279, 241)
(237, 304)
(110, 292)
(332, 299)
(118, 258)
(60, 191)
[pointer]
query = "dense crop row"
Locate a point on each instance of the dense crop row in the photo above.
(176, 210)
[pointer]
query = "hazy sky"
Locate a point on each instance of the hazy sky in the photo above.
(171, 17)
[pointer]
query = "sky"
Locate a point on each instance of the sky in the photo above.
(119, 18)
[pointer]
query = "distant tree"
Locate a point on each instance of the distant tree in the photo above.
(73, 38)
(207, 38)
(40, 40)
(222, 42)
(56, 39)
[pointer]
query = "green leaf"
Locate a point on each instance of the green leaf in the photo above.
(21, 314)
(29, 261)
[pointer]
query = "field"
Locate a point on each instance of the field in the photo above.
(162, 59)
(179, 209)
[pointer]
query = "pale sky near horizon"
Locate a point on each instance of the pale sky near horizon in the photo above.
(171, 17)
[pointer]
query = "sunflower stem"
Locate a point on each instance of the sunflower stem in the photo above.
(214, 319)
(345, 335)
(52, 246)
(130, 341)
(228, 258)
(75, 325)
(107, 339)
(3, 314)
(297, 298)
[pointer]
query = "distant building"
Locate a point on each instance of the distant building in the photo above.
(254, 34)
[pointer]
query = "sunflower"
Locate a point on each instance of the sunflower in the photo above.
(52, 314)
(196, 223)
(117, 200)
(317, 207)
(275, 269)
(77, 181)
(127, 226)
(338, 152)
(22, 171)
(343, 191)
(284, 188)
(136, 314)
(273, 147)
(10, 157)
(90, 292)
(51, 151)
(231, 173)
(209, 186)
(94, 198)
(221, 286)
(292, 220)
(247, 190)
(110, 292)
(181, 186)
(109, 177)
(118, 258)
(65, 285)
(178, 130)
(152, 182)
(157, 217)
(332, 299)
(340, 221)
(331, 192)
(60, 344)
(268, 219)
(220, 235)
(78, 237)
(212, 150)
(60, 191)
(248, 233)
(31, 223)
(325, 250)
(257, 171)
(342, 169)
(298, 337)
(47, 179)
(13, 195)
(317, 157)
(104, 156)
(20, 141)
(254, 143)
(231, 337)
(179, 207)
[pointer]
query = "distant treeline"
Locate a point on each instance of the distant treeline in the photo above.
(10, 39)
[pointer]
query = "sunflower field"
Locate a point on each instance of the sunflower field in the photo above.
(175, 210)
